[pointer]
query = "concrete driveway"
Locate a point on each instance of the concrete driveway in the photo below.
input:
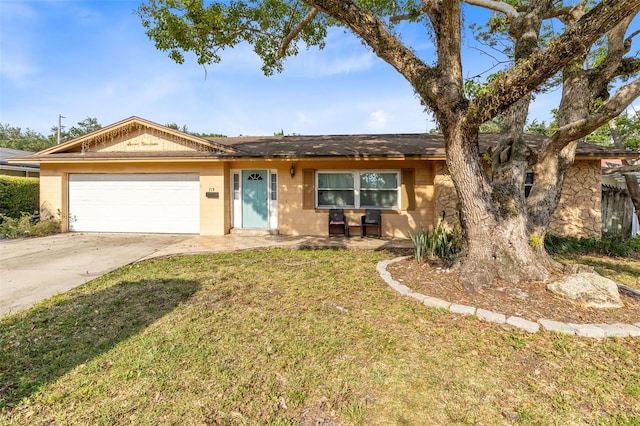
(34, 269)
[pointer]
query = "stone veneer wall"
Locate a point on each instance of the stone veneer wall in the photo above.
(578, 213)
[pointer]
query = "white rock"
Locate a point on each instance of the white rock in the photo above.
(588, 330)
(557, 326)
(634, 331)
(434, 302)
(462, 309)
(418, 296)
(614, 330)
(530, 326)
(588, 289)
(621, 330)
(491, 316)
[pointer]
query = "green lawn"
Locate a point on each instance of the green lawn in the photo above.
(624, 271)
(286, 337)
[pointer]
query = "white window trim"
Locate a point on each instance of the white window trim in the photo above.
(356, 183)
(273, 196)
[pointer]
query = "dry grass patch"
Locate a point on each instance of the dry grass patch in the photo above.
(293, 337)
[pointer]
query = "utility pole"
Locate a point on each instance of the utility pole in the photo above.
(60, 117)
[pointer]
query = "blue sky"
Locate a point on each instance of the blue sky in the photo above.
(91, 58)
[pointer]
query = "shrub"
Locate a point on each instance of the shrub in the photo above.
(28, 225)
(441, 242)
(608, 246)
(18, 195)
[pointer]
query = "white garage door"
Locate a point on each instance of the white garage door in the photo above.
(155, 203)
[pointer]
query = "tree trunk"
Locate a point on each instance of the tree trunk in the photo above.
(495, 225)
(554, 161)
(497, 246)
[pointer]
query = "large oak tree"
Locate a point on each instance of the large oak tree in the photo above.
(498, 222)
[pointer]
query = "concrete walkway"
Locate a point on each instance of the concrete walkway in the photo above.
(239, 242)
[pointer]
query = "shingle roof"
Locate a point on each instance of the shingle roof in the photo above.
(6, 153)
(398, 145)
(422, 145)
(377, 145)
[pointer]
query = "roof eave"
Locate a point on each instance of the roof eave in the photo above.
(23, 160)
(616, 155)
(140, 122)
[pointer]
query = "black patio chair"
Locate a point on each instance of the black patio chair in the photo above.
(337, 220)
(371, 219)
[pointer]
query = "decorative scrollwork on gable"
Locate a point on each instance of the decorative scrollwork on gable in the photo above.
(124, 132)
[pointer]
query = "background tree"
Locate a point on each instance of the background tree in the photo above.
(621, 132)
(497, 221)
(27, 140)
(88, 125)
(174, 126)
(624, 132)
(185, 129)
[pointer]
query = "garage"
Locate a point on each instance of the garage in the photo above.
(153, 203)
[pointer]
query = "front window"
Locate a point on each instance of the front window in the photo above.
(236, 186)
(274, 187)
(379, 189)
(336, 189)
(363, 189)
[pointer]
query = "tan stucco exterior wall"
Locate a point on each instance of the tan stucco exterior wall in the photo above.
(433, 193)
(213, 221)
(578, 213)
(293, 219)
(52, 186)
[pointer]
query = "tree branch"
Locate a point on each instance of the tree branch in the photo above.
(385, 45)
(621, 169)
(408, 16)
(614, 64)
(286, 41)
(526, 75)
(630, 38)
(498, 6)
(578, 129)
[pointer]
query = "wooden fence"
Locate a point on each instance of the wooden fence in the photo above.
(617, 211)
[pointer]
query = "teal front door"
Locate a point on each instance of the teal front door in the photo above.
(254, 199)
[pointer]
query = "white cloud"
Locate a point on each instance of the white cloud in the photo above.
(12, 10)
(379, 119)
(323, 65)
(18, 68)
(302, 118)
(343, 54)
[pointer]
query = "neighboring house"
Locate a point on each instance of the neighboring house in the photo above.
(138, 176)
(24, 170)
(619, 215)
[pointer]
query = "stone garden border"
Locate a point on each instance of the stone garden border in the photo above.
(596, 331)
